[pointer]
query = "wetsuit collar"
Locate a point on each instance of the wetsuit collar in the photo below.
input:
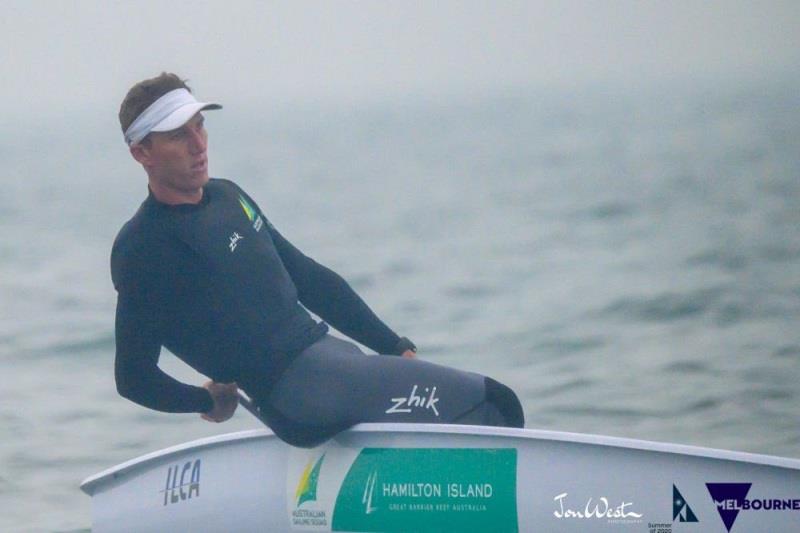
(187, 207)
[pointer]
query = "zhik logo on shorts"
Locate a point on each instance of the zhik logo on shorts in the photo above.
(404, 404)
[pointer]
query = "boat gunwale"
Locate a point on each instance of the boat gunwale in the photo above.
(90, 484)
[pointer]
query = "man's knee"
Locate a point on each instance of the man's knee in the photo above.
(506, 402)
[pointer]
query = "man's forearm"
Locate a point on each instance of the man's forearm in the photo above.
(136, 370)
(154, 389)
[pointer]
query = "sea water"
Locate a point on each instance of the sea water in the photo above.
(628, 262)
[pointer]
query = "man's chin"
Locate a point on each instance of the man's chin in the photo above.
(200, 177)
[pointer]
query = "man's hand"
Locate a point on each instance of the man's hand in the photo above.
(405, 348)
(226, 399)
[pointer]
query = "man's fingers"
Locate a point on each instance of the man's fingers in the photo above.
(224, 389)
(229, 394)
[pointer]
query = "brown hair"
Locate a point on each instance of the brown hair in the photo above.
(144, 93)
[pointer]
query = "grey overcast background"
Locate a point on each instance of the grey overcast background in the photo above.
(83, 55)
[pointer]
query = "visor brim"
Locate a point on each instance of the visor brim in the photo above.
(182, 115)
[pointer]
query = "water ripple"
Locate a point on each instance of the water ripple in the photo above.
(469, 291)
(101, 342)
(687, 367)
(782, 253)
(664, 307)
(702, 404)
(727, 260)
(610, 210)
(605, 412)
(568, 346)
(561, 388)
(791, 350)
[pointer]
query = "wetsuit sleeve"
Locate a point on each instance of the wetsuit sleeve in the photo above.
(327, 294)
(138, 339)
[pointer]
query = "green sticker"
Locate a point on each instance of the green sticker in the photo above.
(307, 488)
(247, 208)
(429, 489)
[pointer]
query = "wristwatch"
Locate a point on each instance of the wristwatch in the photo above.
(404, 344)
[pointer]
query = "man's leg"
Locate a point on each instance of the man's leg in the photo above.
(332, 385)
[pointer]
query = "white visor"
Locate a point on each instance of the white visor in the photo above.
(169, 112)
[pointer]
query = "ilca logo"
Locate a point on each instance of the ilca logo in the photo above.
(183, 481)
(426, 400)
(681, 509)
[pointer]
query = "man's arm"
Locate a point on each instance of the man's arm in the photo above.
(139, 276)
(136, 370)
(327, 294)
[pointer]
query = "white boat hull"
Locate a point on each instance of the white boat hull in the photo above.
(413, 477)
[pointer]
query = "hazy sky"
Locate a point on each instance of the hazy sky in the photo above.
(79, 53)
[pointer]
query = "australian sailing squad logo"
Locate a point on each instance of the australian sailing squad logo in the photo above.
(307, 492)
(252, 214)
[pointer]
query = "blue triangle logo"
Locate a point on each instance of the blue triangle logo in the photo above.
(681, 509)
(729, 499)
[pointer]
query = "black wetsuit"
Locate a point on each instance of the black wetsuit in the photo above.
(217, 285)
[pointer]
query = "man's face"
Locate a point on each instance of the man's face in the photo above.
(177, 160)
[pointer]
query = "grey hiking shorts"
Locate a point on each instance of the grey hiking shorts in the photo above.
(333, 385)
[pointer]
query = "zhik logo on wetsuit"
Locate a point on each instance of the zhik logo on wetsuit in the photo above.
(251, 213)
(405, 403)
(235, 238)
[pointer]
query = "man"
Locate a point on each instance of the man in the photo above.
(201, 271)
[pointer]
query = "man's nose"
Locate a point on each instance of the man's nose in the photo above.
(197, 142)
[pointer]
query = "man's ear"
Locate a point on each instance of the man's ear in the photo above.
(141, 153)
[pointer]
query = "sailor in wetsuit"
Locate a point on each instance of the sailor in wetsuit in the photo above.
(200, 270)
